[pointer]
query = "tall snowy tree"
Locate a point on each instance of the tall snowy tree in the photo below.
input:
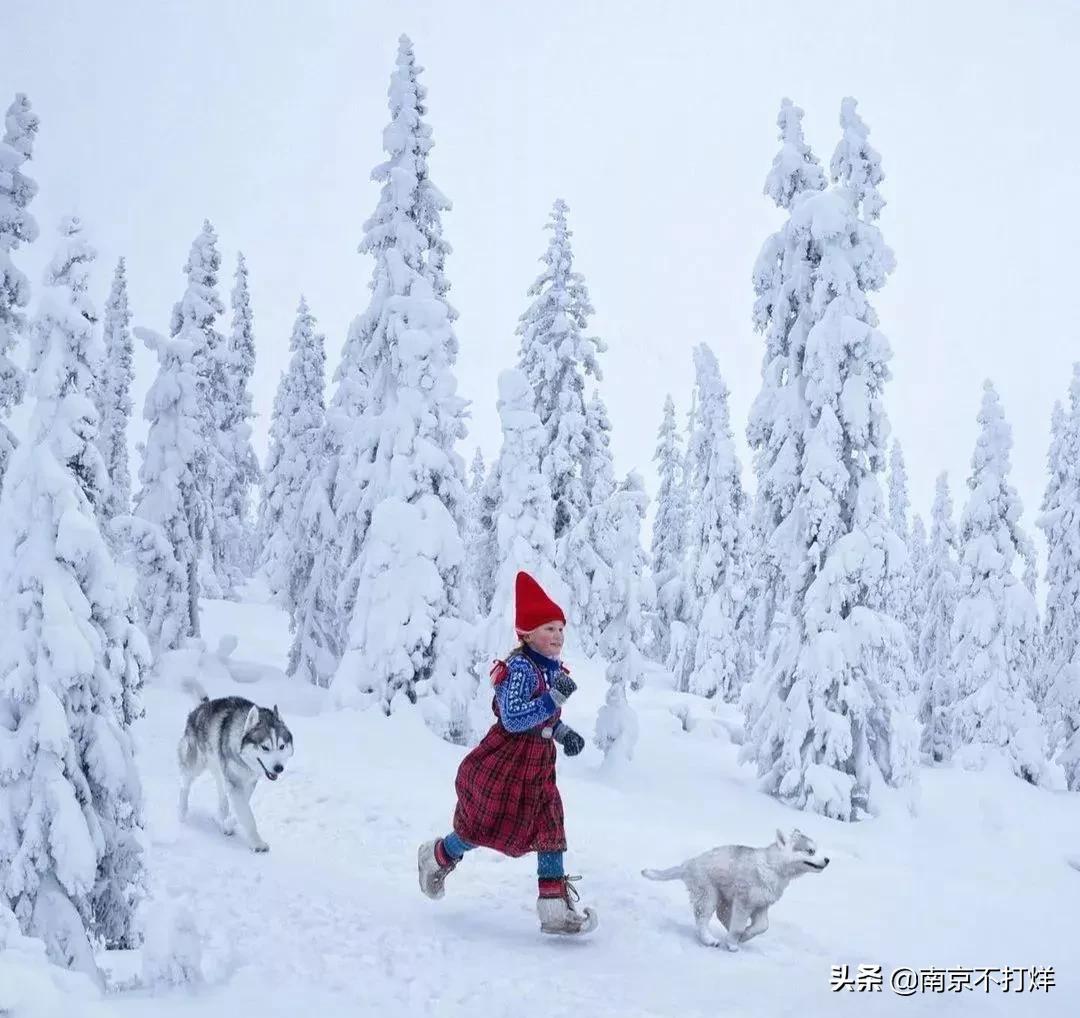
(668, 532)
(556, 357)
(826, 725)
(938, 581)
(899, 518)
(479, 563)
(17, 227)
(170, 498)
(918, 549)
(296, 448)
(194, 320)
(316, 647)
(70, 858)
(239, 469)
(408, 487)
(525, 520)
(995, 625)
(775, 430)
(1057, 679)
(630, 593)
(716, 658)
(115, 389)
(597, 469)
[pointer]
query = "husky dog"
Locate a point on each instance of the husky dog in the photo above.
(238, 743)
(739, 883)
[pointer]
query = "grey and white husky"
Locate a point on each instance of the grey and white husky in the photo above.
(239, 743)
(737, 884)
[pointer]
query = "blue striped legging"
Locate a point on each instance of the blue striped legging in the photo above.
(549, 865)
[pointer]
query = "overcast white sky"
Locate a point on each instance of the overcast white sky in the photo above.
(655, 122)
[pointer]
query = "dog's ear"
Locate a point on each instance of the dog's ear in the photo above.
(796, 834)
(251, 721)
(780, 839)
(276, 714)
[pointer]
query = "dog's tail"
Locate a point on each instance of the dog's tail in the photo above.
(194, 689)
(674, 873)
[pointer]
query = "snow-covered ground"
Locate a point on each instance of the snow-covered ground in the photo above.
(331, 921)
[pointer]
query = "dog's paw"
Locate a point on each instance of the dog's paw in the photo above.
(260, 846)
(731, 943)
(708, 940)
(228, 827)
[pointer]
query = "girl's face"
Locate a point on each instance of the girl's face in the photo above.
(547, 640)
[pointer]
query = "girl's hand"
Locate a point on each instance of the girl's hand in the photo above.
(571, 742)
(560, 687)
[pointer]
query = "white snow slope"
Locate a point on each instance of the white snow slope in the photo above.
(331, 922)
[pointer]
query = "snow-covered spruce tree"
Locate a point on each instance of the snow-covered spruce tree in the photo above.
(70, 859)
(1057, 679)
(937, 580)
(899, 518)
(995, 624)
(193, 321)
(918, 547)
(174, 459)
(777, 421)
(556, 357)
(483, 551)
(825, 722)
(717, 655)
(17, 227)
(408, 217)
(406, 629)
(597, 468)
(480, 568)
(316, 647)
(296, 447)
(239, 468)
(115, 393)
(630, 595)
(161, 584)
(669, 532)
(524, 524)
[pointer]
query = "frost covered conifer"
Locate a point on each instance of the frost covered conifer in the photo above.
(478, 536)
(937, 580)
(170, 498)
(775, 430)
(316, 648)
(597, 469)
(296, 450)
(995, 624)
(556, 357)
(826, 724)
(716, 659)
(161, 589)
(115, 390)
(17, 227)
(524, 521)
(239, 469)
(899, 518)
(630, 595)
(1057, 679)
(669, 531)
(194, 320)
(407, 485)
(917, 551)
(70, 859)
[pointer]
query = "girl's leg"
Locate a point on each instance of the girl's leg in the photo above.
(451, 850)
(550, 873)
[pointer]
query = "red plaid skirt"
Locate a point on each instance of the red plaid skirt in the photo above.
(507, 797)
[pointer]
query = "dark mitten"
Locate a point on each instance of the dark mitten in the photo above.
(561, 686)
(571, 742)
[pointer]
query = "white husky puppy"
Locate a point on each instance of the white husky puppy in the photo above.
(738, 884)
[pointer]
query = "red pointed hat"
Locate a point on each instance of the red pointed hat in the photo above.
(533, 607)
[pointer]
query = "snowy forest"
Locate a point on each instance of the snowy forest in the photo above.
(846, 642)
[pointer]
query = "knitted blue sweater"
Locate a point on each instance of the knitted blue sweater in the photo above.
(518, 710)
